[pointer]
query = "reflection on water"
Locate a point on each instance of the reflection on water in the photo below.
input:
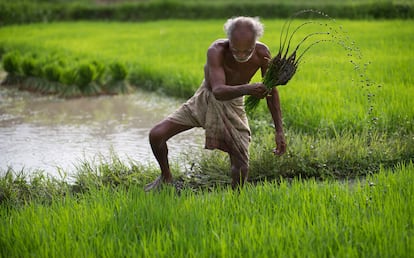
(45, 132)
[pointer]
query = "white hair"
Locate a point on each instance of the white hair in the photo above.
(254, 22)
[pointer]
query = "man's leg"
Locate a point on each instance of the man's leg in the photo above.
(239, 171)
(158, 138)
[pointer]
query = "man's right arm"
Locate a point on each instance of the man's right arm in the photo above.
(217, 79)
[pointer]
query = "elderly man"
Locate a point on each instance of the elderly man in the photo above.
(218, 104)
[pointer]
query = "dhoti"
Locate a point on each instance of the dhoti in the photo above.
(225, 122)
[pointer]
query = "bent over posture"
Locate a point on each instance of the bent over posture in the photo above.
(218, 105)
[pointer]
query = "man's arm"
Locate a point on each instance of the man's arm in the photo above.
(217, 80)
(273, 104)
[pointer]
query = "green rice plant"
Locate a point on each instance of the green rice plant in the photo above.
(85, 75)
(118, 71)
(68, 78)
(100, 69)
(11, 62)
(60, 61)
(29, 66)
(34, 78)
(117, 78)
(146, 78)
(79, 80)
(52, 72)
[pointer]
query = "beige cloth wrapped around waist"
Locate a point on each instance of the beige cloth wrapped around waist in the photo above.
(225, 122)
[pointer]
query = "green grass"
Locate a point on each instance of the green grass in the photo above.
(361, 218)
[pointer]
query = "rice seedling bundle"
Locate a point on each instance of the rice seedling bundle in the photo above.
(11, 62)
(52, 72)
(118, 71)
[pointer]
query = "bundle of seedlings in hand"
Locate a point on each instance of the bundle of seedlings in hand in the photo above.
(283, 66)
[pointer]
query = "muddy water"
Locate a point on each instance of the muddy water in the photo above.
(47, 133)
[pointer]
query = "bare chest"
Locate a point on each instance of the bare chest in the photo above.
(239, 73)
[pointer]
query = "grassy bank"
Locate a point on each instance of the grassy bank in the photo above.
(368, 218)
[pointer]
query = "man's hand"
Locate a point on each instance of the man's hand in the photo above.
(280, 144)
(258, 90)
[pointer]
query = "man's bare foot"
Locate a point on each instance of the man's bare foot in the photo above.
(156, 184)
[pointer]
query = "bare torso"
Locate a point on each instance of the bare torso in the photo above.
(237, 73)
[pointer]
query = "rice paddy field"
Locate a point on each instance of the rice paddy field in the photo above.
(368, 218)
(347, 113)
(329, 89)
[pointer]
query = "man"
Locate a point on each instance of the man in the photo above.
(218, 107)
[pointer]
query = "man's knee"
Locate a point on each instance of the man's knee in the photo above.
(157, 134)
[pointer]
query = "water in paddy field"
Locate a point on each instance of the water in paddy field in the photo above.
(47, 133)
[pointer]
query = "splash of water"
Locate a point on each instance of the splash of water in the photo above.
(339, 36)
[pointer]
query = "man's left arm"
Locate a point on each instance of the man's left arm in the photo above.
(273, 104)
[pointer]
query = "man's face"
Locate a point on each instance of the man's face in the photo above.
(242, 46)
(242, 55)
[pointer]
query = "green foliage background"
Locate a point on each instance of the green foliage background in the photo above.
(26, 11)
